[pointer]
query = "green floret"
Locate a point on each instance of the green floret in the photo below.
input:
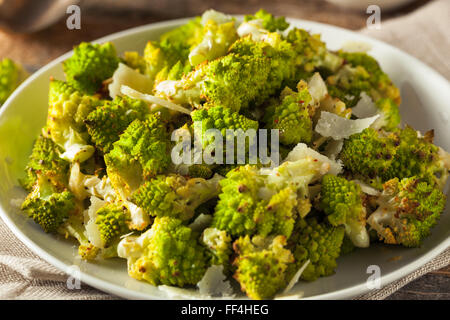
(291, 116)
(369, 153)
(168, 254)
(160, 57)
(48, 204)
(174, 195)
(90, 65)
(238, 201)
(74, 227)
(235, 81)
(68, 108)
(172, 48)
(269, 22)
(112, 222)
(342, 201)
(279, 56)
(261, 265)
(321, 245)
(200, 171)
(220, 118)
(176, 72)
(311, 54)
(389, 114)
(418, 156)
(241, 210)
(361, 73)
(381, 156)
(135, 61)
(11, 75)
(217, 38)
(232, 81)
(218, 244)
(408, 209)
(280, 210)
(186, 36)
(107, 122)
(45, 159)
(142, 152)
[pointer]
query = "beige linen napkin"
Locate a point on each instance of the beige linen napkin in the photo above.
(423, 33)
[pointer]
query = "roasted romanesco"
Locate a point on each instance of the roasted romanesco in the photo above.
(11, 75)
(328, 169)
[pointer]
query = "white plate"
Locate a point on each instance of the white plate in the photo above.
(425, 105)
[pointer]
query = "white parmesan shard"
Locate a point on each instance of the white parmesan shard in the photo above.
(302, 151)
(153, 100)
(214, 283)
(366, 188)
(296, 277)
(254, 28)
(333, 148)
(317, 88)
(124, 75)
(365, 107)
(336, 127)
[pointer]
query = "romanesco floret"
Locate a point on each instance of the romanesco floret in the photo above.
(311, 54)
(269, 22)
(135, 61)
(161, 56)
(279, 56)
(416, 155)
(408, 209)
(90, 65)
(368, 153)
(172, 48)
(49, 203)
(380, 156)
(174, 195)
(362, 73)
(45, 159)
(232, 81)
(107, 122)
(238, 201)
(291, 116)
(261, 265)
(142, 152)
(11, 75)
(200, 171)
(218, 245)
(389, 114)
(68, 108)
(267, 201)
(112, 222)
(342, 201)
(221, 118)
(318, 243)
(217, 38)
(74, 227)
(167, 254)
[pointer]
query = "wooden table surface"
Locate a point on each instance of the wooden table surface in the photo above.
(102, 17)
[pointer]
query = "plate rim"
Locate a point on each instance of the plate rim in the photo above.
(121, 291)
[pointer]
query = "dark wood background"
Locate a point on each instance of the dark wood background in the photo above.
(102, 17)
